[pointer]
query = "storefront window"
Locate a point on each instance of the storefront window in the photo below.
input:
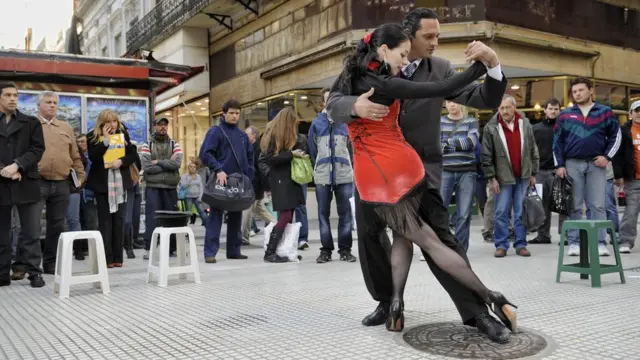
(614, 96)
(533, 93)
(307, 103)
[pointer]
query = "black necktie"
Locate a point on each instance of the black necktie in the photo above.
(410, 69)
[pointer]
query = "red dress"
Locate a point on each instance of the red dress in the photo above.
(386, 167)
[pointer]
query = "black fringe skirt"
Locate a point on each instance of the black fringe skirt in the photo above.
(401, 217)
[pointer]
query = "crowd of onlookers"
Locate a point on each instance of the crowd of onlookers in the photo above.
(492, 165)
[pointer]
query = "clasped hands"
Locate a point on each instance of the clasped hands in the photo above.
(475, 51)
(11, 172)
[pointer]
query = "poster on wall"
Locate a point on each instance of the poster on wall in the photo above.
(69, 108)
(132, 112)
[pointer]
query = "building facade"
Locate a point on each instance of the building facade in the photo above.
(293, 48)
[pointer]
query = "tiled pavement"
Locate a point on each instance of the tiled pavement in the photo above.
(252, 310)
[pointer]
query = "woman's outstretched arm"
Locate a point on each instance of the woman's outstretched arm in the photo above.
(399, 88)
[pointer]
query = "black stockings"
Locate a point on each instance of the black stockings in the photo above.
(447, 259)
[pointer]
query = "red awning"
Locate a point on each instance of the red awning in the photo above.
(88, 71)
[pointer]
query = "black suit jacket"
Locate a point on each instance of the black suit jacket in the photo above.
(98, 175)
(24, 145)
(420, 118)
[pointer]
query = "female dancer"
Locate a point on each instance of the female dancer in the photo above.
(110, 183)
(388, 172)
(279, 144)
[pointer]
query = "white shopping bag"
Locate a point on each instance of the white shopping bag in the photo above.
(352, 201)
(539, 190)
(288, 246)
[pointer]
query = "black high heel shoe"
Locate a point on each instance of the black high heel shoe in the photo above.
(503, 309)
(395, 321)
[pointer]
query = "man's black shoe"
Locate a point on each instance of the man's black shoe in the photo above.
(540, 240)
(130, 254)
(495, 330)
(238, 257)
(378, 316)
(5, 282)
(324, 257)
(345, 255)
(36, 281)
(138, 245)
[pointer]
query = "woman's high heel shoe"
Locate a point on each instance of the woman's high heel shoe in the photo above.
(395, 321)
(503, 309)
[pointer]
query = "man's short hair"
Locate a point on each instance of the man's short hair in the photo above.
(7, 85)
(513, 100)
(230, 104)
(552, 102)
(253, 130)
(411, 22)
(581, 80)
(45, 94)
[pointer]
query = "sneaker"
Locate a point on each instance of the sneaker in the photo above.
(345, 255)
(210, 259)
(324, 257)
(523, 252)
(146, 255)
(254, 232)
(602, 250)
(625, 249)
(18, 275)
(574, 250)
(303, 246)
(540, 240)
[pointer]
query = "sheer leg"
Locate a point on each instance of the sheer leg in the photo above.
(401, 257)
(447, 259)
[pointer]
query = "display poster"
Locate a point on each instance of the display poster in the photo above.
(132, 113)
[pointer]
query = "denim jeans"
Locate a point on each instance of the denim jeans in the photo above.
(587, 182)
(508, 197)
(464, 185)
(481, 193)
(191, 202)
(324, 195)
(15, 230)
(213, 229)
(611, 207)
(301, 217)
(132, 217)
(73, 213)
(158, 199)
(55, 195)
(629, 224)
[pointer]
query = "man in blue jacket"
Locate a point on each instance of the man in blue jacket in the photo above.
(331, 156)
(217, 154)
(587, 136)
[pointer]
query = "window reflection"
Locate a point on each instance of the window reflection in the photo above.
(533, 93)
(614, 96)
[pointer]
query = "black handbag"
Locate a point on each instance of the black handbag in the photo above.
(534, 214)
(237, 195)
(561, 196)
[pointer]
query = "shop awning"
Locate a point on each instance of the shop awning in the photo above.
(89, 71)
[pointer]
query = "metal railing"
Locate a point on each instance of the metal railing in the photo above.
(162, 21)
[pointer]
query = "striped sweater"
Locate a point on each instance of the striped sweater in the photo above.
(458, 143)
(577, 137)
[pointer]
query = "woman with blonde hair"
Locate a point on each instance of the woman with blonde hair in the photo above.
(110, 182)
(280, 144)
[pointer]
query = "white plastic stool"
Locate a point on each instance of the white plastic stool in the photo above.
(162, 270)
(96, 260)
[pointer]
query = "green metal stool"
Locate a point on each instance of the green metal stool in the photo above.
(589, 258)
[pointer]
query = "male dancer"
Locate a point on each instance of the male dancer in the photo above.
(374, 246)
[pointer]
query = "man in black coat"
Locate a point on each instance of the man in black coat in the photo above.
(21, 148)
(418, 119)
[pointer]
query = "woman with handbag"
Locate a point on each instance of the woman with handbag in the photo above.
(110, 182)
(190, 191)
(280, 144)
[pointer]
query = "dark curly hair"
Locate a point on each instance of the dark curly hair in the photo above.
(356, 64)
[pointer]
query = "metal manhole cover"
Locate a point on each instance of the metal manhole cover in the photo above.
(464, 342)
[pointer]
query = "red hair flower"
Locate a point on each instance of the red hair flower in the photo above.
(367, 38)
